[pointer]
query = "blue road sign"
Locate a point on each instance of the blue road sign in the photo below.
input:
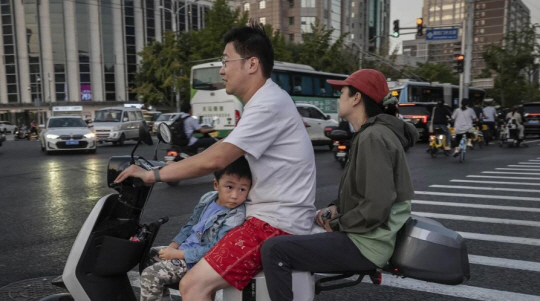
(442, 34)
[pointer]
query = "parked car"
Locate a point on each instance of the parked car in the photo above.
(315, 122)
(67, 133)
(7, 127)
(531, 114)
(419, 114)
(168, 118)
(118, 124)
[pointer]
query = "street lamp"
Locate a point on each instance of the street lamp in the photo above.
(174, 14)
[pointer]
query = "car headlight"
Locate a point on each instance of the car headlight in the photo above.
(52, 136)
(90, 135)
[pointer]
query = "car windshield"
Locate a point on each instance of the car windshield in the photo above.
(207, 79)
(108, 116)
(66, 123)
(165, 117)
(532, 109)
(413, 110)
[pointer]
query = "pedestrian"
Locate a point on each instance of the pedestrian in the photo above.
(464, 118)
(374, 199)
(214, 216)
(272, 137)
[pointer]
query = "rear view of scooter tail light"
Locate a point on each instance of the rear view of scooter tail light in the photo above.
(172, 153)
(342, 147)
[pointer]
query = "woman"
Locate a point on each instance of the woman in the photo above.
(463, 123)
(374, 195)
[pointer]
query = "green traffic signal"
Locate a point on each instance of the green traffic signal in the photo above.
(396, 29)
(395, 34)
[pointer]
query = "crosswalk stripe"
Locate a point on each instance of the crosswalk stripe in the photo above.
(495, 182)
(478, 206)
(480, 196)
(485, 188)
(479, 219)
(529, 163)
(460, 291)
(524, 166)
(534, 160)
(505, 263)
(502, 177)
(521, 169)
(501, 238)
(512, 173)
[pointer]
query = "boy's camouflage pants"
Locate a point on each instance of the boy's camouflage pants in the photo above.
(159, 273)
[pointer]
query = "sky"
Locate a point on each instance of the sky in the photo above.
(408, 10)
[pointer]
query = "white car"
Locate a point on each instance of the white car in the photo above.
(67, 133)
(6, 126)
(168, 118)
(315, 122)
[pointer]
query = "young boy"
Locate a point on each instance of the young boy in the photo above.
(216, 214)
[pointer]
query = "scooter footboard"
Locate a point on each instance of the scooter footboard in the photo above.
(117, 256)
(374, 275)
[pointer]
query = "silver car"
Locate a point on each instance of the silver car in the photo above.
(67, 133)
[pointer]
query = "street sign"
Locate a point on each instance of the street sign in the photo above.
(442, 34)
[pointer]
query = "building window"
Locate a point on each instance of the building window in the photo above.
(291, 3)
(291, 20)
(262, 20)
(246, 6)
(352, 15)
(262, 4)
(308, 3)
(352, 4)
(352, 36)
(291, 37)
(305, 24)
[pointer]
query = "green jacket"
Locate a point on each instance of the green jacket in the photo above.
(376, 188)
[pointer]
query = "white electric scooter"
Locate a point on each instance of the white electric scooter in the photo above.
(111, 242)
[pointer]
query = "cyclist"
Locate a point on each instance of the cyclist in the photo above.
(490, 116)
(514, 114)
(441, 115)
(463, 122)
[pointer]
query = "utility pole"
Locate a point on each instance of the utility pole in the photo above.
(468, 48)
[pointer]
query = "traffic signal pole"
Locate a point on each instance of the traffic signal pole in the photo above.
(468, 48)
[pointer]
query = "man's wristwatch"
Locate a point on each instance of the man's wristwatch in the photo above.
(156, 175)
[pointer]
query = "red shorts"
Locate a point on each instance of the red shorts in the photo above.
(237, 256)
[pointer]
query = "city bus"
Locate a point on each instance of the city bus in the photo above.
(213, 106)
(411, 91)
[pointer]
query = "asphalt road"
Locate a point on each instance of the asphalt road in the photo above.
(45, 199)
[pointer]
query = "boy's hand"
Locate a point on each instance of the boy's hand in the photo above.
(319, 218)
(170, 253)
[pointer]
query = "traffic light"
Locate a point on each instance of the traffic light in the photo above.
(419, 27)
(396, 28)
(459, 61)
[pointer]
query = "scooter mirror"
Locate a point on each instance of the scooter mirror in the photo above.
(164, 133)
(144, 134)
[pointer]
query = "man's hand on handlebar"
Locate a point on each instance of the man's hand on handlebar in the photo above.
(136, 172)
(324, 217)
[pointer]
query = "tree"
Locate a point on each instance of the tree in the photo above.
(514, 64)
(436, 73)
(161, 69)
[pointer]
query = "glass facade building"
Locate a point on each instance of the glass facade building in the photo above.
(84, 52)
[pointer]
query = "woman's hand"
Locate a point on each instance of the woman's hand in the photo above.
(136, 172)
(319, 218)
(171, 253)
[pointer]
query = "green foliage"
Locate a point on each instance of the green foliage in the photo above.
(514, 64)
(436, 73)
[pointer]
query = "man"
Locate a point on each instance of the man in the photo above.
(191, 125)
(273, 138)
(490, 115)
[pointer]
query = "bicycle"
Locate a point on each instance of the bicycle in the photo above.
(437, 141)
(462, 148)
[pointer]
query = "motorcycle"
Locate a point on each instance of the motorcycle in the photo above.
(112, 241)
(22, 133)
(509, 135)
(341, 144)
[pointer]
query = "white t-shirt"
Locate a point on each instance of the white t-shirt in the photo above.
(463, 120)
(281, 158)
(490, 114)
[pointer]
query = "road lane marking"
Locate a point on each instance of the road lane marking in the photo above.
(512, 173)
(479, 219)
(495, 182)
(524, 166)
(505, 263)
(480, 196)
(478, 206)
(500, 238)
(486, 188)
(501, 177)
(520, 169)
(529, 163)
(534, 160)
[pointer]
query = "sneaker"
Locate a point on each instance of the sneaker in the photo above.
(456, 153)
